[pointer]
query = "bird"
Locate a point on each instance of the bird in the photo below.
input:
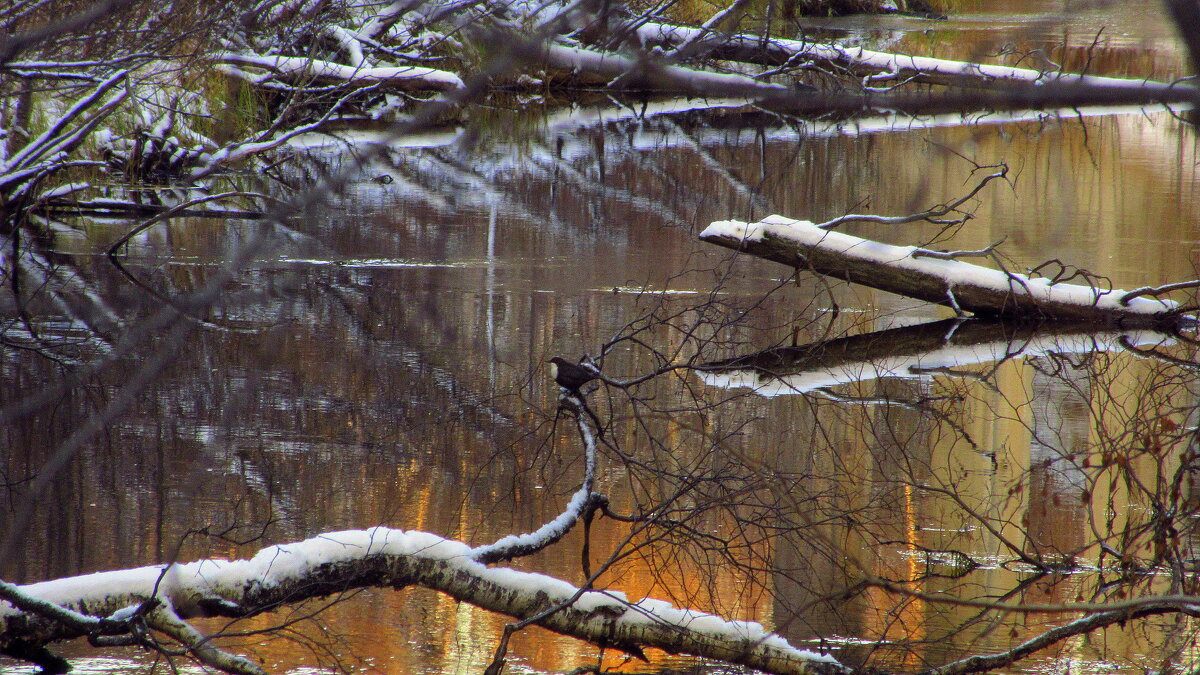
(570, 376)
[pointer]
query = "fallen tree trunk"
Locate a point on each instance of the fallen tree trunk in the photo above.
(104, 207)
(590, 67)
(336, 562)
(933, 277)
(115, 607)
(864, 62)
(302, 71)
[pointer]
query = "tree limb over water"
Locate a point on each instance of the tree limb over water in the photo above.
(329, 59)
(336, 562)
(935, 277)
(874, 66)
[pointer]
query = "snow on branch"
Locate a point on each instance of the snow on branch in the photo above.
(46, 151)
(335, 562)
(516, 545)
(296, 68)
(165, 596)
(779, 51)
(926, 275)
(621, 71)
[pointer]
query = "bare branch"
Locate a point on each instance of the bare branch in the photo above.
(1158, 290)
(12, 45)
(175, 210)
(927, 215)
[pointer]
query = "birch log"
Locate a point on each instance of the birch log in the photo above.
(864, 62)
(337, 562)
(927, 275)
(618, 71)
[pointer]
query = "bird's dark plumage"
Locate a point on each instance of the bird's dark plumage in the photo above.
(569, 375)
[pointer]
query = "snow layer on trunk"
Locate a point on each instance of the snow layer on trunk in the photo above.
(300, 67)
(286, 563)
(952, 272)
(652, 33)
(615, 65)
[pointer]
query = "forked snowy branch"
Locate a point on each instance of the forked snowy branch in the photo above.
(166, 596)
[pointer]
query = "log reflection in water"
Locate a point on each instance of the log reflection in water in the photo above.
(922, 350)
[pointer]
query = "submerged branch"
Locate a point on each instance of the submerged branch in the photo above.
(1083, 625)
(123, 207)
(175, 211)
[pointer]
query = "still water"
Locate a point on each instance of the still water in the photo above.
(382, 362)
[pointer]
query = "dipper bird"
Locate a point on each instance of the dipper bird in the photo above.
(570, 376)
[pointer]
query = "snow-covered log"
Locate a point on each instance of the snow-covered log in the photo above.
(918, 351)
(298, 70)
(932, 277)
(336, 562)
(588, 66)
(865, 62)
(110, 606)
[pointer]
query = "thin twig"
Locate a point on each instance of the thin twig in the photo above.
(929, 214)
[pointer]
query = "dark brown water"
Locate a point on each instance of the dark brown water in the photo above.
(381, 362)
